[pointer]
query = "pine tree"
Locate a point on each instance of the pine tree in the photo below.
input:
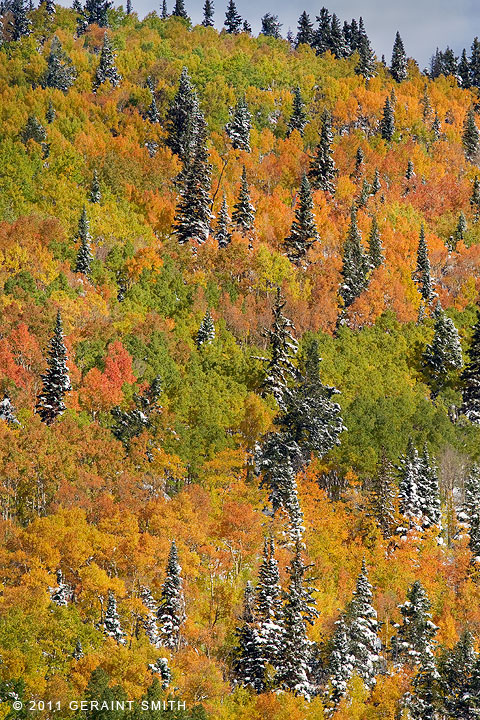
(414, 638)
(164, 13)
(222, 231)
(129, 424)
(460, 230)
(424, 700)
(233, 21)
(19, 25)
(457, 675)
(428, 490)
(475, 199)
(171, 611)
(7, 411)
(111, 622)
(474, 65)
(60, 72)
(95, 195)
(471, 377)
(382, 497)
(49, 7)
(193, 215)
(355, 264)
(410, 500)
(278, 460)
(298, 118)
(96, 12)
(62, 594)
(422, 272)
(470, 136)
(270, 26)
(341, 665)
(208, 14)
(106, 69)
(471, 510)
(359, 162)
(129, 7)
(436, 127)
(150, 620)
(366, 65)
(305, 33)
(243, 216)
(387, 123)
(246, 27)
(321, 40)
(364, 643)
(299, 610)
(159, 667)
(249, 661)
(78, 651)
(322, 170)
(445, 352)
(182, 119)
(375, 250)
(33, 130)
(364, 194)
(84, 256)
(152, 113)
(398, 67)
(179, 10)
(55, 381)
(238, 129)
(376, 184)
(268, 605)
(206, 331)
(303, 233)
(464, 70)
(50, 114)
(337, 40)
(410, 172)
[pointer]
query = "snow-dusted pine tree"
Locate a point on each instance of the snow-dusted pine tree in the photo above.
(249, 661)
(106, 70)
(398, 67)
(322, 171)
(298, 118)
(460, 697)
(55, 381)
(471, 377)
(206, 331)
(303, 232)
(62, 594)
(222, 231)
(160, 667)
(95, 195)
(410, 500)
(60, 73)
(428, 490)
(233, 21)
(422, 274)
(150, 620)
(20, 24)
(355, 264)
(470, 136)
(171, 610)
(208, 14)
(111, 621)
(423, 701)
(470, 514)
(340, 667)
(182, 119)
(268, 605)
(7, 411)
(243, 216)
(382, 500)
(84, 259)
(445, 352)
(387, 123)
(238, 129)
(416, 632)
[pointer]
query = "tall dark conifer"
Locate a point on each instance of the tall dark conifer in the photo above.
(179, 10)
(422, 275)
(303, 232)
(471, 377)
(298, 118)
(84, 256)
(107, 69)
(55, 381)
(355, 264)
(305, 33)
(387, 123)
(233, 21)
(398, 67)
(243, 216)
(208, 11)
(171, 610)
(322, 171)
(470, 136)
(182, 118)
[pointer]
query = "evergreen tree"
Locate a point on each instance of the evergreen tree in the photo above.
(171, 611)
(182, 119)
(78, 651)
(436, 127)
(206, 331)
(95, 195)
(150, 620)
(19, 25)
(460, 230)
(84, 259)
(96, 12)
(278, 459)
(464, 70)
(129, 424)
(471, 377)
(416, 632)
(471, 510)
(270, 26)
(61, 595)
(303, 232)
(364, 643)
(341, 665)
(152, 113)
(106, 69)
(424, 700)
(50, 114)
(233, 21)
(299, 610)
(7, 411)
(445, 352)
(55, 381)
(366, 65)
(355, 264)
(60, 72)
(208, 13)
(33, 130)
(387, 123)
(49, 7)
(475, 199)
(376, 184)
(382, 497)
(164, 14)
(243, 216)
(238, 129)
(359, 162)
(428, 490)
(336, 39)
(268, 605)
(222, 232)
(470, 136)
(409, 469)
(249, 661)
(457, 676)
(305, 33)
(364, 194)
(422, 272)
(475, 63)
(322, 170)
(321, 40)
(398, 67)
(375, 250)
(129, 7)
(179, 10)
(410, 172)
(111, 622)
(298, 118)
(159, 667)
(193, 215)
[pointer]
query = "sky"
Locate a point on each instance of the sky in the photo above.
(423, 24)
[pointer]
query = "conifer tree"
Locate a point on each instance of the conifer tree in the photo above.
(445, 352)
(268, 605)
(464, 70)
(164, 10)
(355, 264)
(150, 620)
(78, 651)
(376, 184)
(60, 72)
(246, 27)
(106, 69)
(233, 21)
(321, 39)
(364, 643)
(299, 610)
(366, 65)
(474, 64)
(61, 595)
(128, 8)
(50, 114)
(49, 7)
(337, 39)
(208, 14)
(179, 10)
(471, 377)
(96, 12)
(84, 256)
(305, 32)
(95, 195)
(129, 424)
(111, 622)
(424, 700)
(193, 215)
(409, 468)
(33, 130)
(206, 331)
(171, 610)
(182, 119)
(475, 199)
(322, 170)
(415, 634)
(303, 232)
(387, 123)
(382, 497)
(341, 665)
(436, 127)
(222, 231)
(7, 411)
(398, 67)
(459, 679)
(422, 272)
(243, 216)
(364, 194)
(375, 250)
(359, 162)
(238, 129)
(152, 112)
(55, 381)
(271, 27)
(298, 118)
(470, 136)
(428, 490)
(19, 25)
(278, 460)
(471, 510)
(249, 661)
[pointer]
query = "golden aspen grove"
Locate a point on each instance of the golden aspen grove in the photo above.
(239, 370)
